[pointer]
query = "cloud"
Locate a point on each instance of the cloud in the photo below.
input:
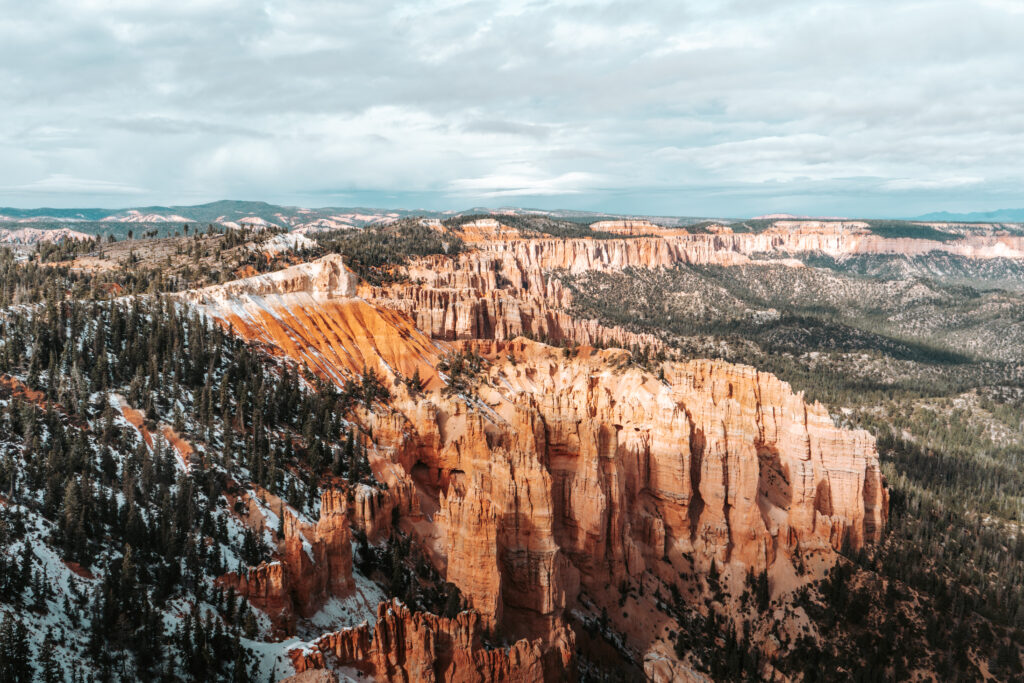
(61, 183)
(156, 125)
(520, 185)
(904, 184)
(675, 106)
(529, 130)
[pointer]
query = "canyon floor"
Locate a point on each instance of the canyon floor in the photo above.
(515, 447)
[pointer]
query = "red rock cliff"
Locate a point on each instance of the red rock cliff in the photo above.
(586, 471)
(314, 562)
(558, 471)
(416, 646)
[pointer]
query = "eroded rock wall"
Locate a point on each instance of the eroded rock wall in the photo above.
(314, 562)
(555, 470)
(416, 646)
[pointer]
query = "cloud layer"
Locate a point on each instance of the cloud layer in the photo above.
(693, 108)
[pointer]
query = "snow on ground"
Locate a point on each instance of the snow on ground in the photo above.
(274, 663)
(323, 225)
(285, 242)
(28, 236)
(273, 521)
(135, 216)
(68, 638)
(256, 223)
(340, 613)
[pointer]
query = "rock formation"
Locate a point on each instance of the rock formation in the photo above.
(322, 279)
(307, 312)
(314, 562)
(651, 246)
(585, 471)
(416, 646)
(555, 472)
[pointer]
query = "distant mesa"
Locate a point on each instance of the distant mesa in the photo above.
(770, 216)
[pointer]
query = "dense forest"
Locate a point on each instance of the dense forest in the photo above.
(539, 226)
(82, 487)
(375, 253)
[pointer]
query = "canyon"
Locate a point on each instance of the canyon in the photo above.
(555, 473)
(495, 448)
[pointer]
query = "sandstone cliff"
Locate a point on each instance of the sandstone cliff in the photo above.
(415, 646)
(308, 312)
(314, 562)
(555, 473)
(652, 246)
(503, 288)
(583, 472)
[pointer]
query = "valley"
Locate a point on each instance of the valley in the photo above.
(515, 447)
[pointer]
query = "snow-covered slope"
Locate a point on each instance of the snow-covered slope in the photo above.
(29, 236)
(134, 216)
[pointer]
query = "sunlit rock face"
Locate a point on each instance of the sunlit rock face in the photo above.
(591, 472)
(564, 472)
(314, 560)
(416, 646)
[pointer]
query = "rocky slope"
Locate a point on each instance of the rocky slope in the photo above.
(315, 560)
(548, 475)
(454, 474)
(309, 312)
(416, 646)
(502, 288)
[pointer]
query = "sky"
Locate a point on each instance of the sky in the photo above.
(728, 108)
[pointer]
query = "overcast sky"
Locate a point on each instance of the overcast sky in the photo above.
(670, 107)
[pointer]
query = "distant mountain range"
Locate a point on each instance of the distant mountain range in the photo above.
(228, 212)
(214, 212)
(292, 217)
(997, 216)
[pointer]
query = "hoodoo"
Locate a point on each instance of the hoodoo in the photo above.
(551, 474)
(514, 448)
(555, 428)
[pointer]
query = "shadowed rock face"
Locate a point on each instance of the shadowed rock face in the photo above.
(315, 563)
(584, 474)
(417, 646)
(566, 472)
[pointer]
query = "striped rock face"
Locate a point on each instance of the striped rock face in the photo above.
(558, 473)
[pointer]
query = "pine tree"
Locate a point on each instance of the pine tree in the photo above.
(416, 383)
(15, 665)
(763, 592)
(50, 669)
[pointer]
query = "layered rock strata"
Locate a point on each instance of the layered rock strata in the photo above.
(587, 471)
(416, 646)
(553, 472)
(314, 563)
(309, 313)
